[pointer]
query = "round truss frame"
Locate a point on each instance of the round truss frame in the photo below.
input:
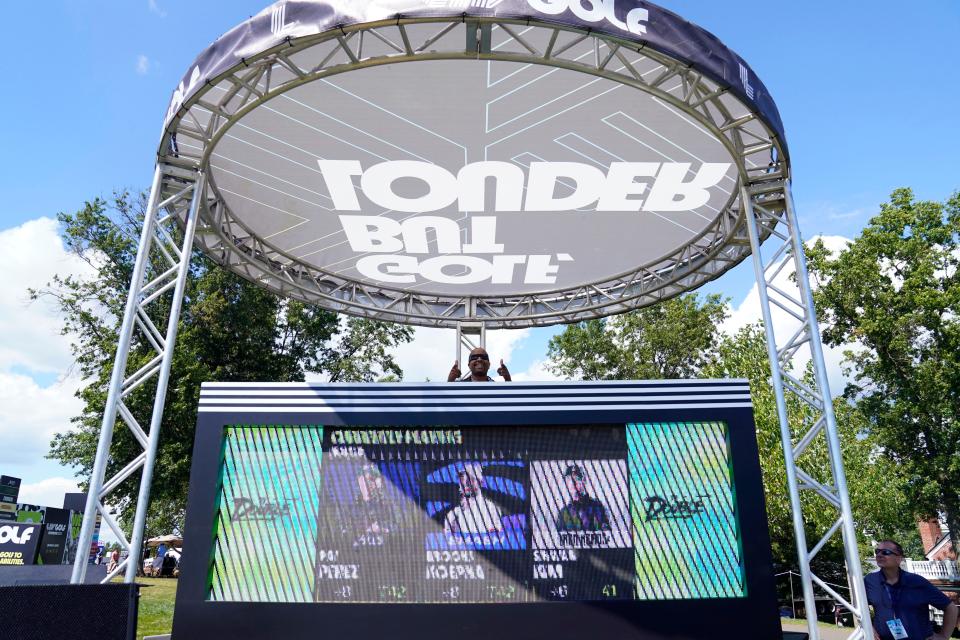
(212, 110)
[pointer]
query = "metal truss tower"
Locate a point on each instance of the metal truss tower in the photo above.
(156, 294)
(810, 416)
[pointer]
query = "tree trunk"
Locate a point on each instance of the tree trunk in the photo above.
(951, 509)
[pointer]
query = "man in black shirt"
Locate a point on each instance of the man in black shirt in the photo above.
(901, 600)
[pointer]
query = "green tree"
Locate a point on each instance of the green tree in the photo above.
(875, 485)
(680, 339)
(230, 330)
(674, 339)
(895, 293)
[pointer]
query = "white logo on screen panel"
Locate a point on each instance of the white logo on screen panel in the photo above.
(397, 252)
(13, 534)
(587, 10)
(745, 79)
(278, 19)
(596, 11)
(461, 4)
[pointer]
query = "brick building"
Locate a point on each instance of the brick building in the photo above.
(940, 565)
(937, 544)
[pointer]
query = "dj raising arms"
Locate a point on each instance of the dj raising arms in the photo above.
(479, 363)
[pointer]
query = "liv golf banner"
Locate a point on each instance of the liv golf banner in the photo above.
(18, 543)
(53, 545)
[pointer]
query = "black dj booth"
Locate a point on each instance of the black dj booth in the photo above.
(522, 510)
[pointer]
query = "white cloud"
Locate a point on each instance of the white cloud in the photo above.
(748, 312)
(31, 348)
(30, 255)
(501, 345)
(143, 65)
(49, 492)
(536, 372)
(30, 415)
(849, 214)
(155, 8)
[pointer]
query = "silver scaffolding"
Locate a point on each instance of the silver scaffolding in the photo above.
(786, 352)
(759, 221)
(156, 289)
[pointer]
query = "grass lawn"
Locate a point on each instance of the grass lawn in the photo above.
(802, 621)
(156, 606)
(827, 631)
(157, 596)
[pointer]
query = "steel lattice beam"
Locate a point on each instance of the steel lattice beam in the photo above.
(156, 291)
(784, 250)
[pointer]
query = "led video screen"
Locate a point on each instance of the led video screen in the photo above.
(481, 514)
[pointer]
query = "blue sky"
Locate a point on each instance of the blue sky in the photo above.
(867, 92)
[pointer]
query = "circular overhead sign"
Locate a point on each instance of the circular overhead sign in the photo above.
(515, 162)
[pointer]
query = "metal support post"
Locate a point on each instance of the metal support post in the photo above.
(779, 220)
(470, 335)
(172, 198)
(858, 605)
(119, 366)
(143, 499)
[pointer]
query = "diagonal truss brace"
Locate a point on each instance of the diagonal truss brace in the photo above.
(784, 234)
(470, 335)
(156, 247)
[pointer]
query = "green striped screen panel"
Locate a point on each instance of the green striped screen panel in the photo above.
(681, 550)
(266, 528)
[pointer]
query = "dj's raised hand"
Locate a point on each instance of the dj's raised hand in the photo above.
(503, 372)
(454, 372)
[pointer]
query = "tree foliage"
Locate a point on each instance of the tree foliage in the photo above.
(229, 330)
(875, 486)
(679, 339)
(895, 292)
(674, 339)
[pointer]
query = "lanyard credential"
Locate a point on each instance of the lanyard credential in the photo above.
(896, 627)
(894, 601)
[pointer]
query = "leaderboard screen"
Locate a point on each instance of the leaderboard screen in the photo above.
(499, 514)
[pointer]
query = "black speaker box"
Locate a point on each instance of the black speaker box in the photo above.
(78, 612)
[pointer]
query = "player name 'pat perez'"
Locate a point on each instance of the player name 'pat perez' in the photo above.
(328, 568)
